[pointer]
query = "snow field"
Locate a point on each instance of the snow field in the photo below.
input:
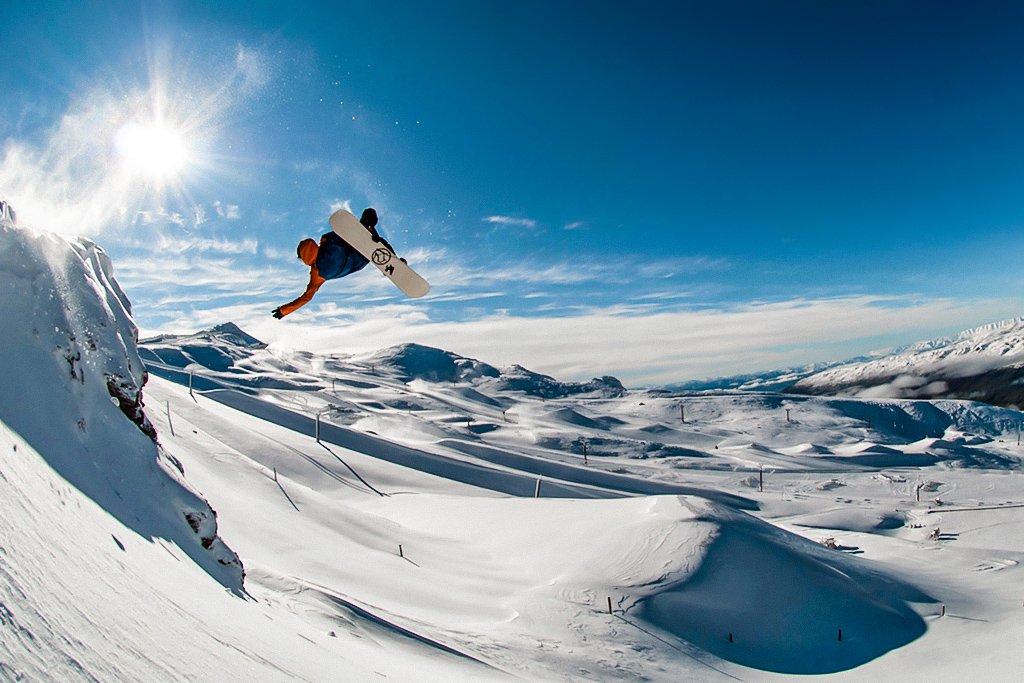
(526, 581)
(409, 543)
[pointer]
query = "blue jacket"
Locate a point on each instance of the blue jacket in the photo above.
(336, 258)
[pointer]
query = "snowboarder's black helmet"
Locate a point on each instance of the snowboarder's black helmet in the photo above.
(369, 218)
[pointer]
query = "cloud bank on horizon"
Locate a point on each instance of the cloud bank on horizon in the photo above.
(561, 229)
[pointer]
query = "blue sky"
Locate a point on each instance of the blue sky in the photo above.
(660, 191)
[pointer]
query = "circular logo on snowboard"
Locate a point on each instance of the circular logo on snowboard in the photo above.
(381, 256)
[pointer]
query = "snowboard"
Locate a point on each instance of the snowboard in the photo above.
(348, 228)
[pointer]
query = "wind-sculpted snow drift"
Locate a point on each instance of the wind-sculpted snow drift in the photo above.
(73, 392)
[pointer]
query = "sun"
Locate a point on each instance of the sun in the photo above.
(156, 151)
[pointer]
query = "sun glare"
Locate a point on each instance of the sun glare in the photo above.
(156, 151)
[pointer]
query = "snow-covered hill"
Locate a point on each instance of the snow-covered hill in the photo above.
(864, 475)
(983, 364)
(227, 347)
(415, 515)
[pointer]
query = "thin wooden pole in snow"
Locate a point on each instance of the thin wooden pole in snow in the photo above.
(610, 605)
(536, 491)
(169, 423)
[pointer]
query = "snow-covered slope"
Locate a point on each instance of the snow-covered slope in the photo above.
(727, 578)
(983, 364)
(414, 515)
(77, 437)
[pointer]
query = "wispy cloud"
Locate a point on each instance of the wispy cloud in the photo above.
(209, 246)
(189, 275)
(231, 212)
(158, 217)
(254, 69)
(511, 221)
(449, 272)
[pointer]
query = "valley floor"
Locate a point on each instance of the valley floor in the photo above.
(366, 537)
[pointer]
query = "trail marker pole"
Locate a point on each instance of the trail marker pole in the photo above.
(760, 480)
(190, 384)
(536, 491)
(682, 413)
(169, 423)
(610, 605)
(787, 414)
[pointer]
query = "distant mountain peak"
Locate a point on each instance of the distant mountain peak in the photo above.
(985, 363)
(416, 361)
(228, 332)
(232, 332)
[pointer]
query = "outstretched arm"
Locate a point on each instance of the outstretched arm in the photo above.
(314, 284)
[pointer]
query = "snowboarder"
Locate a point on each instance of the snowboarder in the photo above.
(331, 259)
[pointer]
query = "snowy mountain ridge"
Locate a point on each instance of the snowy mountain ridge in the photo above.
(1011, 325)
(227, 346)
(984, 364)
(770, 380)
